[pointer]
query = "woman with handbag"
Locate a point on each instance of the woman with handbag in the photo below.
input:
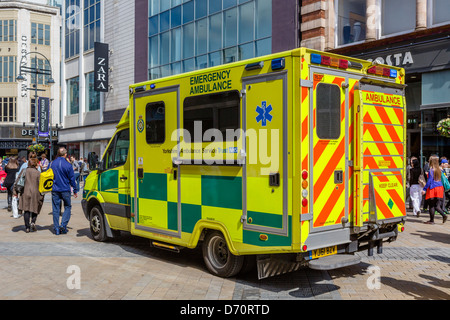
(434, 190)
(415, 179)
(11, 170)
(30, 199)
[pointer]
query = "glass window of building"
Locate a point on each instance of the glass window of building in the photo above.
(40, 33)
(72, 29)
(436, 88)
(351, 21)
(8, 30)
(8, 68)
(186, 35)
(392, 22)
(73, 96)
(91, 23)
(92, 96)
(42, 64)
(8, 107)
(440, 12)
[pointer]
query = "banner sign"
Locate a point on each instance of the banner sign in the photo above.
(44, 117)
(101, 67)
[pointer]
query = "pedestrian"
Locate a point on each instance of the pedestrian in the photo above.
(11, 170)
(76, 170)
(445, 167)
(434, 190)
(44, 162)
(63, 180)
(30, 199)
(415, 188)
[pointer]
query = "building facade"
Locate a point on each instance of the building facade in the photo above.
(413, 34)
(29, 37)
(90, 117)
(149, 39)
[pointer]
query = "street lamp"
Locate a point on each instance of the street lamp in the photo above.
(36, 71)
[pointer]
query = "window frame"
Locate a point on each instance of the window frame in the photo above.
(157, 104)
(216, 108)
(111, 151)
(318, 118)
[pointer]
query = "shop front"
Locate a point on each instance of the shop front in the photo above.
(427, 65)
(14, 141)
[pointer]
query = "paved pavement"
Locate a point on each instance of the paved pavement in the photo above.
(41, 265)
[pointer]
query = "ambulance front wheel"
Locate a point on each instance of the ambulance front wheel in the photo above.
(97, 224)
(218, 258)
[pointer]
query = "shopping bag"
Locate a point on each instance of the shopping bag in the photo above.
(15, 207)
(46, 181)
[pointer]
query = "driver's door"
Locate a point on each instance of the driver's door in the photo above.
(114, 181)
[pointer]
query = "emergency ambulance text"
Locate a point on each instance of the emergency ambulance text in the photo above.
(210, 82)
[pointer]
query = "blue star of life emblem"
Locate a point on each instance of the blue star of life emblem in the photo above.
(264, 113)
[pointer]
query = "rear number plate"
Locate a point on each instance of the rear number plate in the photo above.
(323, 252)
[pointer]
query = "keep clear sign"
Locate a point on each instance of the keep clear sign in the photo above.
(101, 68)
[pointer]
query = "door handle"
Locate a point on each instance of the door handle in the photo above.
(123, 178)
(339, 177)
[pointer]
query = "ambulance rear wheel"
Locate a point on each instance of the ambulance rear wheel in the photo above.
(218, 258)
(97, 224)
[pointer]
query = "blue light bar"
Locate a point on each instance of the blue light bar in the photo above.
(278, 64)
(316, 58)
(393, 73)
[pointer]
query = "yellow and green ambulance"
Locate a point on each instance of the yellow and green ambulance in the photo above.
(287, 160)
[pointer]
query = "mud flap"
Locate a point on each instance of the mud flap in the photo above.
(269, 266)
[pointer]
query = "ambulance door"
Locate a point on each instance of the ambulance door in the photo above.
(381, 154)
(155, 117)
(114, 181)
(329, 150)
(265, 180)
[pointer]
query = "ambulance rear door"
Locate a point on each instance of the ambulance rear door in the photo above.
(329, 155)
(380, 160)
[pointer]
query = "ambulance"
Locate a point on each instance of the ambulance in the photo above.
(295, 159)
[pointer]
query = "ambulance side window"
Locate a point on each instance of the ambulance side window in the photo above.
(328, 111)
(117, 153)
(219, 111)
(155, 126)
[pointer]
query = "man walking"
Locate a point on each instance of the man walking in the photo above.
(64, 178)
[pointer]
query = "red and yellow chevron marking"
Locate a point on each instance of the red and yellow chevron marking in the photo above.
(328, 156)
(389, 197)
(383, 148)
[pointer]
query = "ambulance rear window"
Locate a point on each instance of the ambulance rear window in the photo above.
(328, 111)
(219, 111)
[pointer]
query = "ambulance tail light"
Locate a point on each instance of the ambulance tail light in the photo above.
(305, 202)
(372, 70)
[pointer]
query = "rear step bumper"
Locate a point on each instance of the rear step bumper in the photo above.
(334, 262)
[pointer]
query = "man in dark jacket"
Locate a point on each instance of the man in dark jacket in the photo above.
(63, 180)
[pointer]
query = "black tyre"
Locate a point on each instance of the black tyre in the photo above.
(218, 258)
(97, 224)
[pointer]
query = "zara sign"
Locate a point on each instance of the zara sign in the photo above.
(101, 70)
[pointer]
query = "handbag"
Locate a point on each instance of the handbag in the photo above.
(445, 182)
(422, 180)
(19, 185)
